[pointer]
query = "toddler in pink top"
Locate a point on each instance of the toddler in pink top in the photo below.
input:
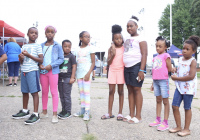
(116, 72)
(161, 66)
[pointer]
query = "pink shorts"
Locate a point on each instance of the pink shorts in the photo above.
(116, 77)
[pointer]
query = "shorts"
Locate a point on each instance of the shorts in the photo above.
(130, 75)
(161, 88)
(13, 69)
(187, 99)
(94, 68)
(116, 77)
(30, 82)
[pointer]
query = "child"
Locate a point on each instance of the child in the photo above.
(160, 85)
(66, 79)
(135, 57)
(85, 58)
(116, 72)
(186, 85)
(29, 58)
(53, 57)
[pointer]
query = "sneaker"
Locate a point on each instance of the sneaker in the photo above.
(80, 112)
(54, 119)
(9, 85)
(42, 115)
(86, 116)
(163, 127)
(61, 113)
(21, 115)
(93, 78)
(15, 84)
(155, 123)
(65, 116)
(33, 119)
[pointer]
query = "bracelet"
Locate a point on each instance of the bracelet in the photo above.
(142, 70)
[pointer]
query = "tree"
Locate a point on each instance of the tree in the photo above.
(182, 22)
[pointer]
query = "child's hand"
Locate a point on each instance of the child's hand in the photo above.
(21, 56)
(87, 77)
(174, 77)
(72, 80)
(25, 53)
(48, 67)
(173, 70)
(152, 88)
(41, 67)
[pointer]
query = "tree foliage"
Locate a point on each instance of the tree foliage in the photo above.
(182, 22)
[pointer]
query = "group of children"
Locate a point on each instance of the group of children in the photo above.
(127, 64)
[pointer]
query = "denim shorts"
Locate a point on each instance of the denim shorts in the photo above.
(161, 88)
(30, 82)
(13, 69)
(178, 98)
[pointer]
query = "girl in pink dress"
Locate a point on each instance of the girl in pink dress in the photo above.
(116, 72)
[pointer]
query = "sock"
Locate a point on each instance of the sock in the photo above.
(35, 113)
(166, 121)
(25, 110)
(158, 118)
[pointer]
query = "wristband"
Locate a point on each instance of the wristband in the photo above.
(142, 70)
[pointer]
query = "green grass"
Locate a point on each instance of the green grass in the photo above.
(89, 137)
(198, 75)
(1, 96)
(11, 96)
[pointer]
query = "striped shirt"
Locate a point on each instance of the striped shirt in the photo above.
(29, 64)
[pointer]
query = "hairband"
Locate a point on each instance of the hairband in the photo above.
(50, 26)
(134, 20)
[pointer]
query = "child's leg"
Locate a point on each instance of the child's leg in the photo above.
(111, 98)
(35, 101)
(86, 89)
(44, 80)
(131, 100)
(158, 106)
(175, 106)
(61, 90)
(53, 82)
(138, 99)
(166, 108)
(25, 100)
(67, 88)
(121, 97)
(82, 96)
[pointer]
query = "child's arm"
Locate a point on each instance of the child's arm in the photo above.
(169, 64)
(111, 54)
(152, 88)
(73, 79)
(3, 58)
(144, 53)
(38, 59)
(87, 76)
(191, 75)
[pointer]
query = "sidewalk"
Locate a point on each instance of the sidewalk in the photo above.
(74, 128)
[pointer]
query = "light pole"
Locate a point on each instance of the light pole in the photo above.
(170, 23)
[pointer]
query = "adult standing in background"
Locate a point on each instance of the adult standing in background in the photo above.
(12, 49)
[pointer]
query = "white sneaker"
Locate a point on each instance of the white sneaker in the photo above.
(42, 115)
(54, 119)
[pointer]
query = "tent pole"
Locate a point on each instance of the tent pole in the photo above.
(3, 62)
(100, 65)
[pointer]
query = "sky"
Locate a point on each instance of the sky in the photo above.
(71, 17)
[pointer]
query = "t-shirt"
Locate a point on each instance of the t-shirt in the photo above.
(83, 60)
(186, 87)
(1, 51)
(132, 54)
(66, 66)
(12, 50)
(47, 55)
(159, 70)
(28, 63)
